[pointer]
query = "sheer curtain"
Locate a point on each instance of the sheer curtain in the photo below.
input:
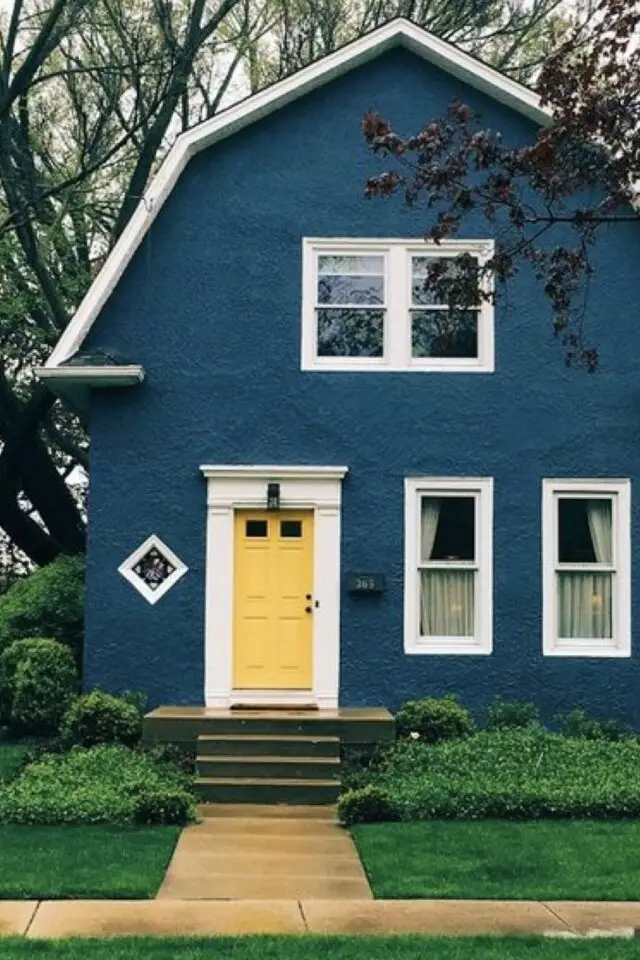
(446, 596)
(584, 599)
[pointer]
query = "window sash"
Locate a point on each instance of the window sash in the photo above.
(480, 569)
(398, 306)
(617, 571)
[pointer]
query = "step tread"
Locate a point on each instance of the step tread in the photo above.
(265, 782)
(260, 758)
(266, 737)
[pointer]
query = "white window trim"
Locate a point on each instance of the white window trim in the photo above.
(397, 338)
(620, 492)
(482, 643)
(127, 571)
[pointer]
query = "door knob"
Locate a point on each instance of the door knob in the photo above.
(307, 609)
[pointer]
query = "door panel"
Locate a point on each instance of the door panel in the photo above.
(273, 575)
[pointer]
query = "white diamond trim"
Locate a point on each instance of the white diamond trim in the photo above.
(127, 571)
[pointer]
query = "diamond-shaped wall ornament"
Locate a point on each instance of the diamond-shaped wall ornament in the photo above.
(153, 569)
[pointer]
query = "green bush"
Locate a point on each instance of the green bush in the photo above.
(103, 784)
(433, 720)
(38, 678)
(511, 714)
(47, 603)
(369, 804)
(513, 774)
(99, 717)
(577, 723)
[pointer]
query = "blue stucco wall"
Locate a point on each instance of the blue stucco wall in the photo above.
(211, 306)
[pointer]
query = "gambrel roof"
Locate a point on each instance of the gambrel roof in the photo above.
(397, 33)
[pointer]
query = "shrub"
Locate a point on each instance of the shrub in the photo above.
(103, 784)
(513, 774)
(38, 678)
(99, 717)
(47, 603)
(181, 756)
(511, 714)
(368, 804)
(433, 720)
(162, 805)
(578, 724)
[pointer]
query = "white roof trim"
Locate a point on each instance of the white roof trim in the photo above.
(100, 375)
(396, 33)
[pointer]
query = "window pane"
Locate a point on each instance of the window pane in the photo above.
(256, 528)
(442, 333)
(585, 530)
(447, 603)
(419, 274)
(447, 528)
(584, 605)
(347, 289)
(350, 333)
(352, 265)
(290, 528)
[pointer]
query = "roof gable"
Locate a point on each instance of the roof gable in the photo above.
(397, 33)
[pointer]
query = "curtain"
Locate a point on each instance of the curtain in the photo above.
(446, 596)
(584, 599)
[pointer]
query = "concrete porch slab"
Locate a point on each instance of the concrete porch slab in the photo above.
(434, 917)
(15, 916)
(279, 811)
(108, 918)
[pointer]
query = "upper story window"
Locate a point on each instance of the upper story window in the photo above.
(586, 553)
(366, 307)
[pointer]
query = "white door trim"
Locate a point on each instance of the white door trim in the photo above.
(231, 488)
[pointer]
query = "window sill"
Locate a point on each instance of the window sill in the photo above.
(380, 366)
(556, 649)
(440, 647)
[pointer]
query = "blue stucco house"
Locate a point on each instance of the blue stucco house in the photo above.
(310, 486)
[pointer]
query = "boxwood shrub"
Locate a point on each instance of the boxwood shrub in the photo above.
(513, 774)
(103, 784)
(434, 719)
(99, 717)
(47, 603)
(38, 679)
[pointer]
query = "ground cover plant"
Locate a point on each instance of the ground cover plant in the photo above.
(502, 860)
(101, 784)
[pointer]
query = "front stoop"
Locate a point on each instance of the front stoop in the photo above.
(268, 756)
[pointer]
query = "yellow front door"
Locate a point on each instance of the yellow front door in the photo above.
(273, 603)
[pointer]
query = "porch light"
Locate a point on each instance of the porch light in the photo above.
(273, 496)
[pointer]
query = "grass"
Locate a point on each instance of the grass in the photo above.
(496, 859)
(323, 948)
(92, 862)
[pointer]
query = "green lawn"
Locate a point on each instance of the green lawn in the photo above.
(498, 859)
(93, 862)
(323, 948)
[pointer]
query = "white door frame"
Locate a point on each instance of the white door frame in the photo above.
(231, 488)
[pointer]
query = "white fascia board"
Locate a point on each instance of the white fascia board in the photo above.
(396, 33)
(102, 376)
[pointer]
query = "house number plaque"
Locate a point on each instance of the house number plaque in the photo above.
(365, 582)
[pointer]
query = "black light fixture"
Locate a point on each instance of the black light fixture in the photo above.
(273, 496)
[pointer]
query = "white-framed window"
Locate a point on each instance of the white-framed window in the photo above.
(365, 307)
(586, 561)
(448, 565)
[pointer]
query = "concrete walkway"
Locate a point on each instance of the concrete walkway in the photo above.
(246, 852)
(191, 918)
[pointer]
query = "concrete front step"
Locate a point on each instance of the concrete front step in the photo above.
(267, 745)
(306, 768)
(279, 790)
